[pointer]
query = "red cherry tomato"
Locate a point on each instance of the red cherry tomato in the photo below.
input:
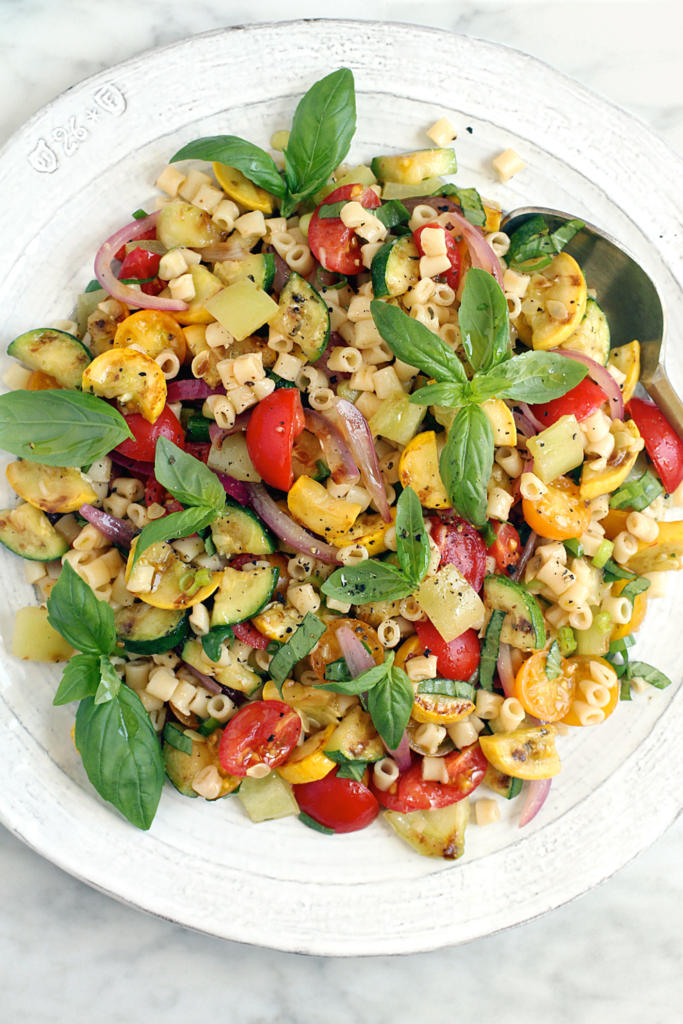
(340, 804)
(454, 660)
(452, 276)
(582, 401)
(264, 732)
(249, 634)
(140, 264)
(145, 236)
(147, 434)
(663, 444)
(275, 422)
(199, 449)
(466, 769)
(507, 548)
(334, 245)
(462, 546)
(154, 492)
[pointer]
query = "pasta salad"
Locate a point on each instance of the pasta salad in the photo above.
(336, 497)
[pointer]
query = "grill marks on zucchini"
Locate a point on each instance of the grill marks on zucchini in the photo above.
(56, 353)
(303, 316)
(146, 630)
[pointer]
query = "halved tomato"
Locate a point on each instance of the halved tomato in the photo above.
(334, 245)
(462, 546)
(561, 513)
(544, 698)
(264, 732)
(466, 770)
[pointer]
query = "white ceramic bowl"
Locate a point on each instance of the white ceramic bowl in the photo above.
(69, 178)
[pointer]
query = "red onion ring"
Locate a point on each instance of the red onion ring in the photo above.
(207, 682)
(217, 433)
(139, 468)
(291, 533)
(481, 252)
(357, 433)
(505, 670)
(401, 754)
(524, 426)
(190, 390)
(528, 415)
(237, 489)
(527, 552)
(602, 377)
(536, 796)
(337, 455)
(123, 292)
(114, 529)
(356, 657)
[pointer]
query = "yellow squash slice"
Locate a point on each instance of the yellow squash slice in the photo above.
(619, 465)
(52, 488)
(627, 359)
(308, 763)
(173, 582)
(526, 753)
(132, 377)
(419, 469)
(555, 302)
(241, 190)
(313, 506)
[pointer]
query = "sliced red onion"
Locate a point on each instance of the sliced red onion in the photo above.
(528, 415)
(527, 552)
(118, 531)
(139, 468)
(237, 489)
(505, 670)
(337, 455)
(291, 533)
(602, 377)
(356, 431)
(401, 754)
(217, 433)
(481, 253)
(123, 292)
(207, 682)
(355, 655)
(336, 341)
(233, 249)
(190, 390)
(536, 796)
(524, 426)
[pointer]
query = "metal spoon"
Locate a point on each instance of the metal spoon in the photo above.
(628, 296)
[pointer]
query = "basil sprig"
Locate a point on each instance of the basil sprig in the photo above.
(390, 697)
(114, 734)
(59, 427)
(190, 482)
(470, 203)
(322, 129)
(532, 246)
(374, 581)
(467, 458)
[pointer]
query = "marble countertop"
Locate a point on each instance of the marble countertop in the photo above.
(69, 953)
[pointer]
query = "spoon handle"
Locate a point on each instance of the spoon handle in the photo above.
(662, 392)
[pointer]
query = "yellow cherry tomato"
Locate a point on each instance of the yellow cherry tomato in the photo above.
(153, 330)
(132, 377)
(561, 513)
(637, 615)
(544, 698)
(582, 663)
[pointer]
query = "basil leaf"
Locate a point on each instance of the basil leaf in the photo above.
(175, 738)
(358, 684)
(613, 572)
(109, 682)
(625, 688)
(484, 320)
(77, 615)
(338, 671)
(329, 211)
(532, 247)
(59, 428)
(297, 647)
(392, 213)
(213, 641)
(323, 126)
(450, 395)
(121, 754)
(412, 540)
(553, 661)
(470, 202)
(485, 386)
(92, 286)
(637, 494)
(369, 581)
(635, 587)
(649, 674)
(80, 679)
(390, 702)
(457, 689)
(539, 377)
(489, 652)
(187, 478)
(208, 726)
(416, 345)
(178, 524)
(310, 822)
(352, 770)
(466, 463)
(256, 165)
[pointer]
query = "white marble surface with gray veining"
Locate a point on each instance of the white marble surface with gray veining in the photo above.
(68, 953)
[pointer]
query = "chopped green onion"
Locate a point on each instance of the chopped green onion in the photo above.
(625, 689)
(566, 640)
(573, 547)
(140, 215)
(207, 727)
(637, 494)
(603, 554)
(191, 582)
(602, 622)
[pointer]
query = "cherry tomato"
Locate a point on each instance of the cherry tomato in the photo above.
(340, 804)
(264, 732)
(154, 492)
(248, 634)
(328, 648)
(663, 444)
(451, 276)
(455, 660)
(145, 236)
(561, 513)
(198, 449)
(410, 792)
(274, 424)
(582, 401)
(507, 547)
(139, 264)
(544, 698)
(40, 381)
(461, 546)
(582, 666)
(147, 434)
(334, 245)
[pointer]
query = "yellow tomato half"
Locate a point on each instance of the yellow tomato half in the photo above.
(153, 330)
(583, 673)
(561, 513)
(544, 698)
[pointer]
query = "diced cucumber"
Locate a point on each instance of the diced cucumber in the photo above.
(230, 455)
(240, 531)
(147, 630)
(242, 595)
(355, 739)
(258, 267)
(592, 641)
(557, 449)
(428, 187)
(242, 308)
(267, 798)
(28, 532)
(503, 785)
(395, 267)
(439, 832)
(523, 626)
(236, 676)
(303, 316)
(592, 336)
(412, 168)
(54, 352)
